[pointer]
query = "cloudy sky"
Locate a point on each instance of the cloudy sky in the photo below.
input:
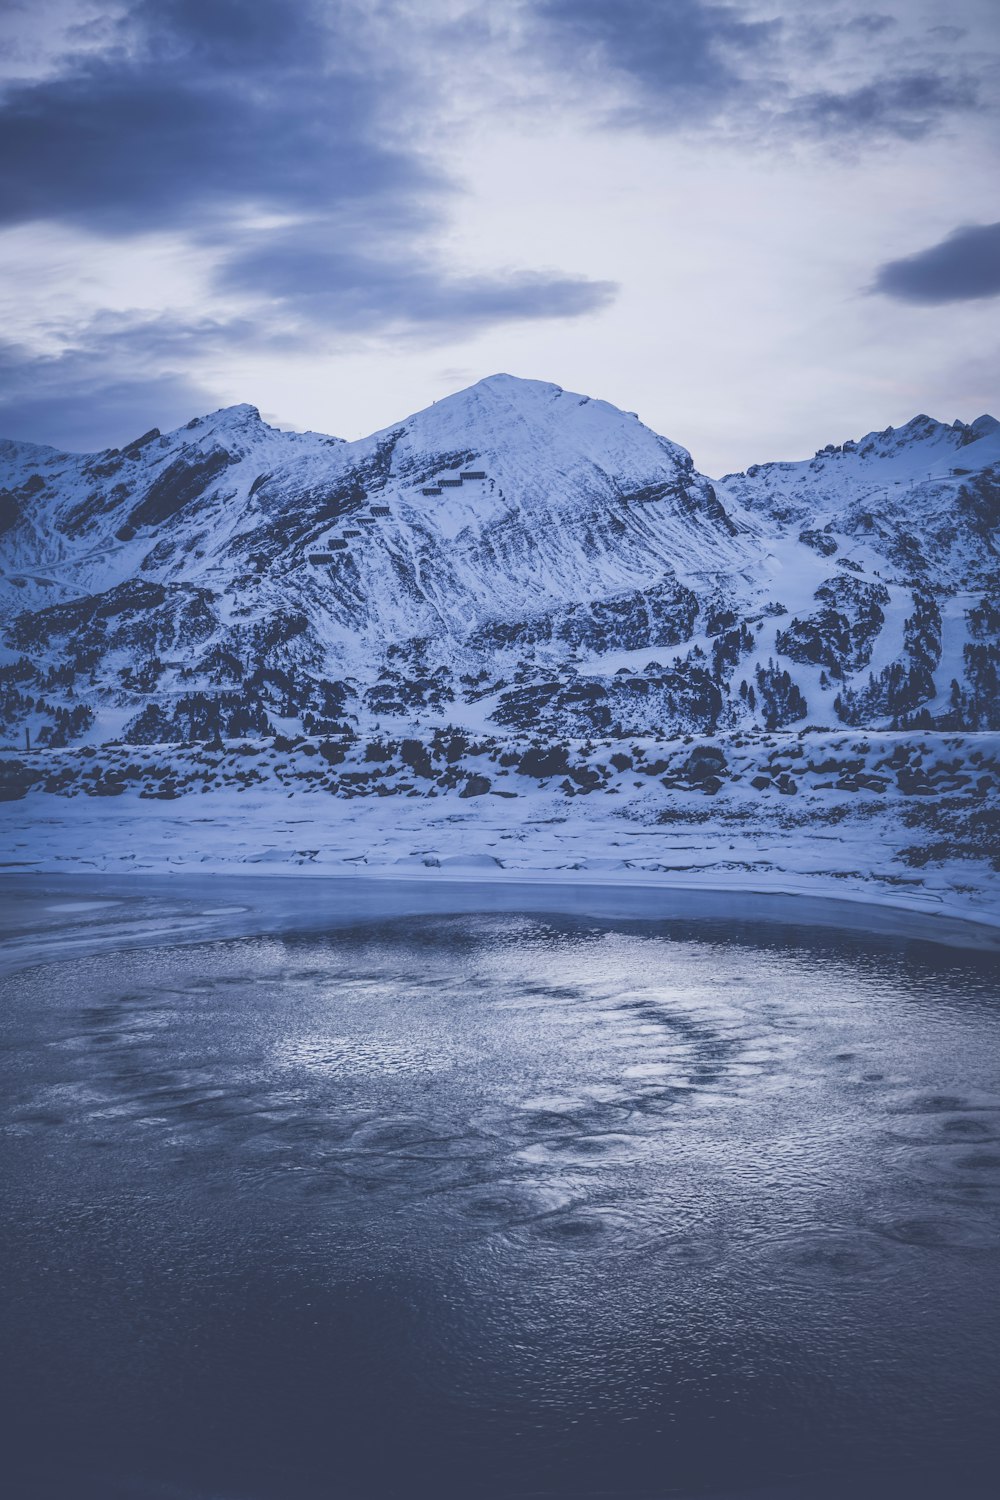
(763, 226)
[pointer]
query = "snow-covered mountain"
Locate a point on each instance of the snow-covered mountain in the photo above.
(515, 556)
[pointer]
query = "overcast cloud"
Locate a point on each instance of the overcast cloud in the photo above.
(362, 196)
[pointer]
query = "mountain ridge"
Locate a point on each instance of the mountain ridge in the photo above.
(517, 634)
(513, 532)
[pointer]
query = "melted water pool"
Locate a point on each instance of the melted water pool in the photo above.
(502, 1205)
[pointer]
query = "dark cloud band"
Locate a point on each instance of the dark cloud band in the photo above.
(670, 65)
(319, 274)
(81, 400)
(208, 114)
(961, 268)
(279, 139)
(677, 57)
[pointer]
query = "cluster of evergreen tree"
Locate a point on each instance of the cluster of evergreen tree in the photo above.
(984, 619)
(902, 687)
(821, 639)
(408, 680)
(293, 693)
(896, 692)
(728, 649)
(143, 677)
(778, 697)
(69, 724)
(16, 706)
(840, 633)
(977, 705)
(922, 630)
(64, 723)
(22, 670)
(198, 718)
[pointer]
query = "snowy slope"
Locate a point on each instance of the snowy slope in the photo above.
(514, 556)
(920, 498)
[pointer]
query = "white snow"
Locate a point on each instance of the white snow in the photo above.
(822, 841)
(562, 521)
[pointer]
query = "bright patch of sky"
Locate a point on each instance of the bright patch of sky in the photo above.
(763, 227)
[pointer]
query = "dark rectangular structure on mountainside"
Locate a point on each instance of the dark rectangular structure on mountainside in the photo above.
(656, 492)
(473, 473)
(431, 489)
(450, 484)
(381, 510)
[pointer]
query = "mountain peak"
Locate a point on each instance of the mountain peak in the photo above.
(241, 415)
(238, 429)
(518, 396)
(528, 429)
(509, 391)
(502, 381)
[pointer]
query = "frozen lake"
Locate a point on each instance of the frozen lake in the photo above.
(331, 1190)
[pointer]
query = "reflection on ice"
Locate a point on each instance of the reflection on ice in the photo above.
(594, 1201)
(78, 906)
(338, 1056)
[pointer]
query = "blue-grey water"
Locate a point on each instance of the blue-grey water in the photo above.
(498, 1204)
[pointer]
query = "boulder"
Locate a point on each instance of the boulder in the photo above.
(542, 763)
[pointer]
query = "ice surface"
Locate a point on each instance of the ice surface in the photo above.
(394, 1179)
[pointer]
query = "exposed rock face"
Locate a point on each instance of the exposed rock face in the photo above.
(515, 558)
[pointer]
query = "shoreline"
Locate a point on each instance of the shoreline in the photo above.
(183, 907)
(887, 823)
(820, 887)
